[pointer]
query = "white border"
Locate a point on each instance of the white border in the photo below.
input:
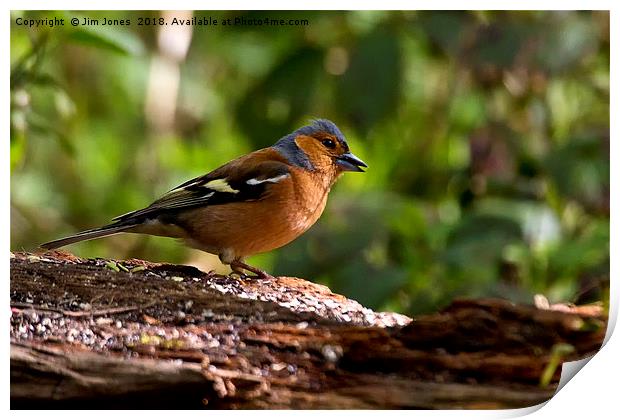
(591, 394)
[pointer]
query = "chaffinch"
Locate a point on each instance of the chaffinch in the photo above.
(253, 204)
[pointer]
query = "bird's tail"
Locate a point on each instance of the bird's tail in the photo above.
(107, 230)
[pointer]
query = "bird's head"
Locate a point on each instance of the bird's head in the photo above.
(320, 146)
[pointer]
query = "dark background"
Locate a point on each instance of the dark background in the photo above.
(486, 133)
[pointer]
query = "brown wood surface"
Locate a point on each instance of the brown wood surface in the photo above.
(132, 334)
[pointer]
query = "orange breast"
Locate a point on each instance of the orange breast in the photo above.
(243, 229)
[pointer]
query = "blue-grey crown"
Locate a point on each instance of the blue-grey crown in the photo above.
(289, 149)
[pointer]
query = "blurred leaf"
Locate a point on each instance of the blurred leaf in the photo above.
(558, 353)
(586, 252)
(18, 147)
(468, 111)
(480, 239)
(445, 28)
(499, 43)
(269, 109)
(44, 80)
(38, 124)
(580, 169)
(27, 67)
(369, 286)
(566, 40)
(112, 39)
(370, 88)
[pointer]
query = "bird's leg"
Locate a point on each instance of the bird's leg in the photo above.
(238, 267)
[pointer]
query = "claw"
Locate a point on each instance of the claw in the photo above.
(239, 266)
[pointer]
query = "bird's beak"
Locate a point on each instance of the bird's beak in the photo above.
(349, 162)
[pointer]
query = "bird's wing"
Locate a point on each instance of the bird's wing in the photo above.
(230, 183)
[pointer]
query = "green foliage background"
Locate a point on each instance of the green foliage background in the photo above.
(486, 133)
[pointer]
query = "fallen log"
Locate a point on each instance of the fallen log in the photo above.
(132, 334)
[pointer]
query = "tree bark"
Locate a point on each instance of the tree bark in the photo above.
(132, 334)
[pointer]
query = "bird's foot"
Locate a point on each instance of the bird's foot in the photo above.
(240, 269)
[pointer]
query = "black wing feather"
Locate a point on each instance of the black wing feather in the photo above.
(196, 193)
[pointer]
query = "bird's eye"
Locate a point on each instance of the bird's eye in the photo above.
(329, 143)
